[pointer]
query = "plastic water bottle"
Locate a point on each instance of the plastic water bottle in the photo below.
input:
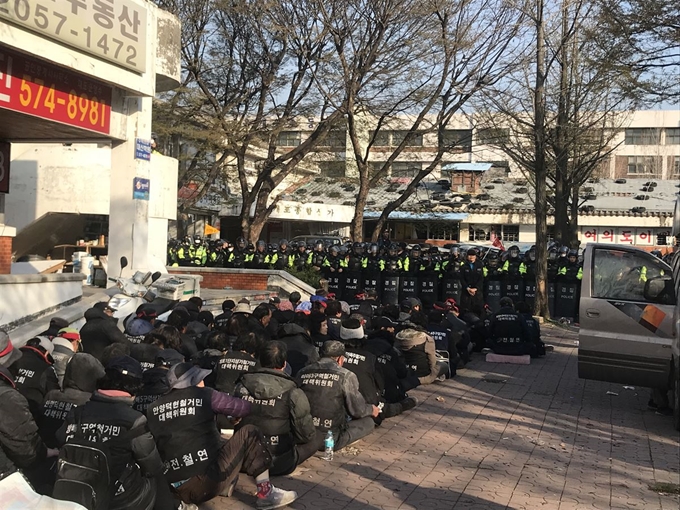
(329, 444)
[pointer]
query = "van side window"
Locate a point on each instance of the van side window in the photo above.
(619, 274)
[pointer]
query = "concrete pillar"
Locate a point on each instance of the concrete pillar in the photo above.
(129, 217)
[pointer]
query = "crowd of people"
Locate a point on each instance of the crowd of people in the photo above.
(396, 272)
(139, 418)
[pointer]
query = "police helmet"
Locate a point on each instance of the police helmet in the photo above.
(564, 251)
(415, 250)
(241, 243)
(318, 245)
(573, 253)
(513, 251)
(393, 249)
(373, 249)
(334, 250)
(455, 251)
(261, 244)
(283, 243)
(358, 248)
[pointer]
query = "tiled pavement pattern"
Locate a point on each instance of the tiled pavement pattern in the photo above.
(501, 437)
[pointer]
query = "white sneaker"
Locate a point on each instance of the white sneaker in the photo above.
(276, 499)
(187, 506)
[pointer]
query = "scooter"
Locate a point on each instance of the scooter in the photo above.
(133, 292)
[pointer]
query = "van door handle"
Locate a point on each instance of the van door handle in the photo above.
(592, 313)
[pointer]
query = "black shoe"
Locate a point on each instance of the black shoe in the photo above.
(409, 403)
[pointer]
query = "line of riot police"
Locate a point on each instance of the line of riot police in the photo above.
(395, 273)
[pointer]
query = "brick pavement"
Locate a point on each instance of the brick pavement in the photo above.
(501, 437)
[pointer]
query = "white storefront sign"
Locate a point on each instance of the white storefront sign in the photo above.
(624, 235)
(114, 30)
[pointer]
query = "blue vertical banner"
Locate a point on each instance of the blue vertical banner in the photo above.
(140, 188)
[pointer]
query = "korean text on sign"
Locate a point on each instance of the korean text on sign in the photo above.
(46, 91)
(114, 30)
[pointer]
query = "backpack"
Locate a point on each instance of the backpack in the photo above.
(83, 473)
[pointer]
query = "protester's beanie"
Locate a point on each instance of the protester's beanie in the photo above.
(351, 329)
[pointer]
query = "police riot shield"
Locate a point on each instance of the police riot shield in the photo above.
(493, 292)
(514, 289)
(373, 281)
(408, 287)
(335, 283)
(428, 289)
(451, 288)
(551, 298)
(390, 289)
(566, 300)
(530, 294)
(351, 284)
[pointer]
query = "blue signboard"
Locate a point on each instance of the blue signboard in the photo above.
(140, 188)
(142, 149)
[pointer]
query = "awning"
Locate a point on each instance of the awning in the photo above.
(466, 167)
(412, 216)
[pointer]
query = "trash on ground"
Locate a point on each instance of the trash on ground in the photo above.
(629, 388)
(440, 399)
(612, 393)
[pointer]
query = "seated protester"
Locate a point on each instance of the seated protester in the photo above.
(296, 336)
(478, 330)
(56, 324)
(80, 381)
(114, 351)
(280, 410)
(444, 337)
(334, 314)
(141, 324)
(533, 327)
(66, 344)
(508, 333)
(217, 345)
(263, 315)
(407, 307)
(136, 469)
(363, 364)
(294, 298)
(173, 339)
(285, 313)
(146, 351)
(100, 330)
(222, 319)
(338, 406)
(155, 381)
(239, 360)
(419, 350)
(20, 444)
(33, 374)
(318, 328)
(458, 326)
(202, 465)
(179, 318)
(397, 378)
(200, 328)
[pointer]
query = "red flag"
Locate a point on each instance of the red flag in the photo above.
(496, 241)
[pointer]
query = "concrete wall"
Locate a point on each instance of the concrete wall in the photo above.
(56, 178)
(25, 297)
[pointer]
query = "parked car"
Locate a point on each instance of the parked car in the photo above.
(627, 317)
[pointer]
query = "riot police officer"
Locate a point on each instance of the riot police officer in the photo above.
(317, 256)
(281, 258)
(260, 258)
(512, 270)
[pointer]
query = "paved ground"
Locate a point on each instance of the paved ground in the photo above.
(501, 437)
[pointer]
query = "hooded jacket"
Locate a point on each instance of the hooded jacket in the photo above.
(281, 411)
(301, 349)
(62, 354)
(390, 365)
(99, 332)
(80, 381)
(155, 384)
(20, 444)
(34, 376)
(419, 352)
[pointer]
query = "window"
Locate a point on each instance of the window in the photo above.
(332, 168)
(458, 138)
(641, 165)
(445, 231)
(416, 139)
(406, 168)
(672, 136)
(492, 136)
(642, 136)
(289, 138)
(622, 275)
(676, 165)
(510, 233)
(382, 138)
(478, 234)
(335, 138)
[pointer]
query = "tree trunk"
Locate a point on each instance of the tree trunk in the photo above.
(573, 220)
(356, 228)
(561, 209)
(541, 303)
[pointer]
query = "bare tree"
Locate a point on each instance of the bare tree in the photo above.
(248, 75)
(406, 67)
